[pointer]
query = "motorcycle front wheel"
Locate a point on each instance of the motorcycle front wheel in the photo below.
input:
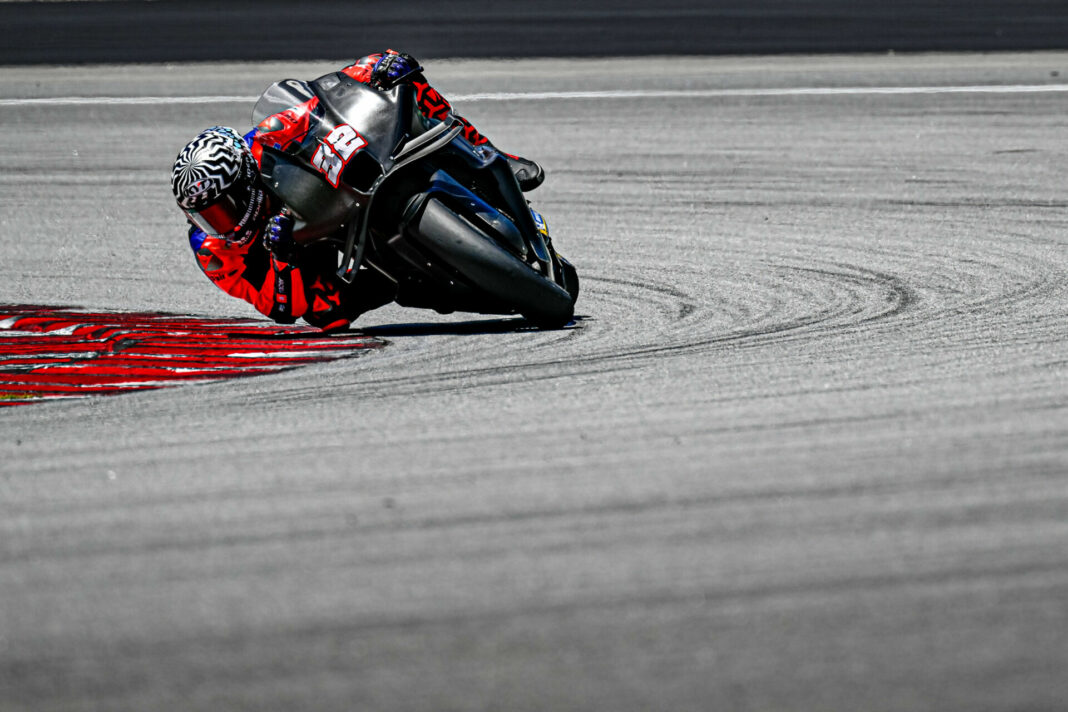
(504, 277)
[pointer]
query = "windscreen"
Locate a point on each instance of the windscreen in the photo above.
(280, 96)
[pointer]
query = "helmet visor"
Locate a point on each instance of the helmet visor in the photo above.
(221, 217)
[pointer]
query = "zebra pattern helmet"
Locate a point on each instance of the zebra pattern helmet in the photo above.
(216, 183)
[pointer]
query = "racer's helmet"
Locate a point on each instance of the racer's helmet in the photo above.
(217, 184)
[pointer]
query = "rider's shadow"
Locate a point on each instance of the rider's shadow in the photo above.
(509, 325)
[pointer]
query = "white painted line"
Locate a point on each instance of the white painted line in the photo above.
(581, 95)
(770, 92)
(127, 100)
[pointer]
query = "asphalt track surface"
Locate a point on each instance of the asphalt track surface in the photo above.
(805, 448)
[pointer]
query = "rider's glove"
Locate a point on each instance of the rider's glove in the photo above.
(392, 69)
(278, 237)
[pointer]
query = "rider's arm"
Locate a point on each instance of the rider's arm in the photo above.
(431, 103)
(276, 289)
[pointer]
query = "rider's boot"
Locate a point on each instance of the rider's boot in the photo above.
(527, 173)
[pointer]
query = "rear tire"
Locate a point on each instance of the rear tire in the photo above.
(504, 277)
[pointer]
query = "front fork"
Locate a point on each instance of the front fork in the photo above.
(547, 257)
(508, 188)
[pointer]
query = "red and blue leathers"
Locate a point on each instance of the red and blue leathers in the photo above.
(307, 288)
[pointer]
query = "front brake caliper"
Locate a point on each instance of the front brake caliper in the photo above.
(539, 222)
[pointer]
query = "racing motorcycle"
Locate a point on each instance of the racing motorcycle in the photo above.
(364, 170)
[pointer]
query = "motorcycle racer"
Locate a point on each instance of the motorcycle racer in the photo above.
(242, 235)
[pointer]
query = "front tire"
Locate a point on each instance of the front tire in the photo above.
(504, 277)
